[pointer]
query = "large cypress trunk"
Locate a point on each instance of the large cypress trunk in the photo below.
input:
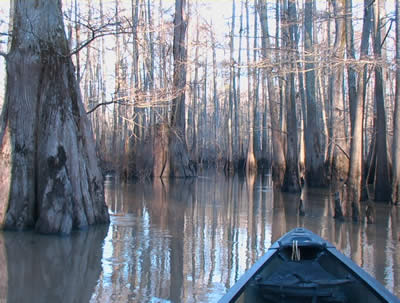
(51, 179)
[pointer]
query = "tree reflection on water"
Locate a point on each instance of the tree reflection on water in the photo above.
(189, 241)
(43, 268)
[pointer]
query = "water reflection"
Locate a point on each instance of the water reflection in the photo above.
(187, 241)
(36, 268)
(3, 271)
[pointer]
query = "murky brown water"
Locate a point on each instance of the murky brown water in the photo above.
(184, 241)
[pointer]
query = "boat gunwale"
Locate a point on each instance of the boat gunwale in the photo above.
(370, 282)
(237, 289)
(364, 277)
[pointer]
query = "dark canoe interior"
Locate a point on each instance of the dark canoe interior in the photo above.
(321, 275)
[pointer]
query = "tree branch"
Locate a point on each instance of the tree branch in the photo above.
(340, 148)
(100, 104)
(94, 37)
(387, 33)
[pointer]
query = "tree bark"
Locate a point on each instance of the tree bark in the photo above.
(396, 117)
(78, 38)
(215, 86)
(229, 167)
(291, 182)
(350, 52)
(338, 145)
(382, 178)
(51, 179)
(251, 163)
(256, 93)
(104, 149)
(180, 165)
(131, 152)
(116, 132)
(237, 138)
(278, 156)
(193, 116)
(314, 153)
(354, 178)
(352, 83)
(204, 127)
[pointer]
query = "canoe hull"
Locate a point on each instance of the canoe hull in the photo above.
(302, 267)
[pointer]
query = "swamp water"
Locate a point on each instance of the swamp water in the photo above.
(184, 241)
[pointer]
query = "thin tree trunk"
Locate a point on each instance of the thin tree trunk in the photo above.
(278, 156)
(205, 133)
(180, 165)
(351, 72)
(88, 97)
(163, 61)
(134, 87)
(354, 178)
(229, 166)
(123, 114)
(215, 87)
(237, 93)
(150, 24)
(104, 150)
(329, 99)
(396, 117)
(338, 145)
(283, 59)
(291, 181)
(382, 178)
(116, 95)
(352, 81)
(300, 74)
(195, 147)
(265, 155)
(251, 164)
(256, 87)
(77, 38)
(315, 172)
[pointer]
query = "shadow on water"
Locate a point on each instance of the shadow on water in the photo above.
(38, 268)
(186, 241)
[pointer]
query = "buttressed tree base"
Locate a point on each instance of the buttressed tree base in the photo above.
(50, 177)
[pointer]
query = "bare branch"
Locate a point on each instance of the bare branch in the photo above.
(101, 104)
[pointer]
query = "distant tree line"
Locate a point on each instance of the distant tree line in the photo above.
(301, 87)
